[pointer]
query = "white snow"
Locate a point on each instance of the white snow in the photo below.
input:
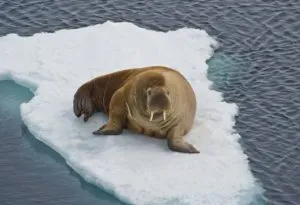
(136, 169)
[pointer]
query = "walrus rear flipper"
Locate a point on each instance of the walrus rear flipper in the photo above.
(82, 102)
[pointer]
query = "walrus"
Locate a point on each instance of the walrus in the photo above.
(156, 101)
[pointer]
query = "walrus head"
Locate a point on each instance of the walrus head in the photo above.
(158, 102)
(152, 96)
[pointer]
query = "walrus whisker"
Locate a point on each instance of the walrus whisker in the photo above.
(165, 115)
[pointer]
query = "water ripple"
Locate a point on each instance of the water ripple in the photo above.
(262, 40)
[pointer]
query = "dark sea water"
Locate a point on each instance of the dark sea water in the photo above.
(30, 172)
(257, 67)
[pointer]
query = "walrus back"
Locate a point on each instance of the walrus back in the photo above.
(105, 86)
(95, 95)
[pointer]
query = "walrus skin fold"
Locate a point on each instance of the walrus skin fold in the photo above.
(156, 101)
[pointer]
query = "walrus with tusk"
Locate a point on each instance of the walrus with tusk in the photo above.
(156, 101)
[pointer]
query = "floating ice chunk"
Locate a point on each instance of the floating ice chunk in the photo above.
(136, 169)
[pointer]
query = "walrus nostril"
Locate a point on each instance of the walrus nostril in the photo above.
(159, 101)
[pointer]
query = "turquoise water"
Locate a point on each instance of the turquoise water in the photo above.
(32, 173)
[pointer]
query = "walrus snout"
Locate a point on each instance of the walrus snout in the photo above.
(158, 102)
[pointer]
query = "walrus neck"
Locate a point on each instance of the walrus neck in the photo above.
(138, 104)
(135, 109)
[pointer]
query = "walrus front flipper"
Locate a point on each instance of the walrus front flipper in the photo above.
(176, 143)
(82, 102)
(116, 118)
(104, 130)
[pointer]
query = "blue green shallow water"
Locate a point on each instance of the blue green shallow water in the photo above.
(30, 172)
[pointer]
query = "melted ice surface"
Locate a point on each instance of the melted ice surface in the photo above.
(136, 169)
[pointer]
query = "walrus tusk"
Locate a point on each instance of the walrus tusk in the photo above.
(164, 114)
(129, 113)
(151, 116)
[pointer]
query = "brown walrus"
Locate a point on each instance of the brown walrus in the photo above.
(156, 101)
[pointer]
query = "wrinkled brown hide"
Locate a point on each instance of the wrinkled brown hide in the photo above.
(129, 96)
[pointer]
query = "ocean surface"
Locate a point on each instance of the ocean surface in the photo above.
(30, 172)
(256, 67)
